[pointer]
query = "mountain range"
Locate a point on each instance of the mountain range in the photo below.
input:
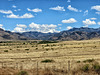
(72, 34)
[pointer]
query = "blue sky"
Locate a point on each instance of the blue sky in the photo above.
(48, 15)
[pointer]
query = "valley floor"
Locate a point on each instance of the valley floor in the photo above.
(64, 55)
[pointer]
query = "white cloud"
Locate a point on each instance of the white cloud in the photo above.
(1, 25)
(86, 12)
(26, 15)
(80, 10)
(21, 25)
(98, 23)
(6, 11)
(20, 28)
(73, 9)
(98, 13)
(12, 16)
(34, 25)
(88, 22)
(15, 10)
(93, 18)
(97, 7)
(69, 1)
(71, 20)
(35, 10)
(59, 24)
(44, 28)
(69, 27)
(18, 10)
(58, 8)
(14, 6)
(59, 27)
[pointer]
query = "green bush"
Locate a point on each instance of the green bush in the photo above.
(36, 48)
(47, 45)
(24, 43)
(32, 46)
(47, 49)
(22, 73)
(89, 60)
(26, 49)
(10, 49)
(78, 61)
(85, 67)
(96, 67)
(47, 61)
(45, 42)
(5, 50)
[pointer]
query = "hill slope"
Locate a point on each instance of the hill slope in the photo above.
(73, 34)
(7, 35)
(77, 34)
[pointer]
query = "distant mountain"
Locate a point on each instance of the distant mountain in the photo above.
(72, 34)
(7, 35)
(77, 34)
(38, 35)
(85, 29)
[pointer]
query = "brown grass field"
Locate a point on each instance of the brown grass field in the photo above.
(28, 56)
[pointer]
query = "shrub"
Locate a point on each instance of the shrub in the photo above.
(85, 67)
(89, 60)
(47, 61)
(10, 49)
(96, 67)
(45, 42)
(26, 49)
(24, 43)
(52, 48)
(78, 61)
(22, 73)
(47, 49)
(36, 48)
(47, 45)
(32, 46)
(5, 50)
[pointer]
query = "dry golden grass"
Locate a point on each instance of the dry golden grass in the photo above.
(26, 54)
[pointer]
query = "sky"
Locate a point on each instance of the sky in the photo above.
(48, 15)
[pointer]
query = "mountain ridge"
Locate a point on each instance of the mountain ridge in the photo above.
(83, 33)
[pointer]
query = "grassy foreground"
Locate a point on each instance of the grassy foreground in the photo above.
(50, 58)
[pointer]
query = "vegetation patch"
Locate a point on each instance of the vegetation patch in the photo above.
(45, 42)
(96, 67)
(5, 50)
(27, 49)
(47, 61)
(85, 68)
(22, 73)
(89, 60)
(78, 61)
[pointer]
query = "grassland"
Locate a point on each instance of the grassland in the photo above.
(28, 55)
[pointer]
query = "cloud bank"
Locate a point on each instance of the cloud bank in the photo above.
(58, 8)
(71, 20)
